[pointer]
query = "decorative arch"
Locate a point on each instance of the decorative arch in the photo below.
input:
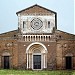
(68, 60)
(34, 44)
(6, 59)
(39, 51)
(5, 53)
(69, 54)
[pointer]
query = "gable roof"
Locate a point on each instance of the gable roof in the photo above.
(65, 35)
(37, 9)
(36, 6)
(9, 34)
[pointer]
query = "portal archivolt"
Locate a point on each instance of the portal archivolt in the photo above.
(36, 56)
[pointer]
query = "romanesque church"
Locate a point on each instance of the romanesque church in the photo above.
(37, 44)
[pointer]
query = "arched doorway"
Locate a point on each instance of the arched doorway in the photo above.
(68, 61)
(36, 56)
(6, 60)
(37, 61)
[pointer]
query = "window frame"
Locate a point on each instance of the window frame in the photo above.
(48, 24)
(24, 23)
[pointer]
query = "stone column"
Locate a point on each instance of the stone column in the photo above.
(35, 37)
(45, 37)
(30, 37)
(44, 61)
(25, 38)
(40, 37)
(27, 60)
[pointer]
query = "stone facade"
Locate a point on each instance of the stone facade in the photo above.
(37, 49)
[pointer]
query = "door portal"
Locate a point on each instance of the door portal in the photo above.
(36, 61)
(6, 62)
(69, 62)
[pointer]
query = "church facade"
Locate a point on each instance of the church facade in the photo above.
(37, 44)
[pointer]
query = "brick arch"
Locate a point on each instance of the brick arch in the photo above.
(6, 53)
(68, 52)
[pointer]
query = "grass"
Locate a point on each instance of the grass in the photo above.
(27, 72)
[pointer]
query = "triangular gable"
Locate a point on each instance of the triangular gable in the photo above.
(36, 9)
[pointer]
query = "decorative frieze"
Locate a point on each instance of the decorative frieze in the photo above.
(30, 38)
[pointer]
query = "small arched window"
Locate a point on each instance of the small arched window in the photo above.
(24, 25)
(48, 24)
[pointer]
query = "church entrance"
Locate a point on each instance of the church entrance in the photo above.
(36, 56)
(36, 61)
(6, 62)
(68, 62)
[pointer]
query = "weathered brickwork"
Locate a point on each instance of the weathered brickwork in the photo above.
(51, 55)
(65, 48)
(54, 49)
(57, 52)
(9, 47)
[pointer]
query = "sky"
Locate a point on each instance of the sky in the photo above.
(64, 8)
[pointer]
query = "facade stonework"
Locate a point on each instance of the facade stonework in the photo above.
(37, 44)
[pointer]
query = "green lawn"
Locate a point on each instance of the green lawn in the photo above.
(26, 72)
